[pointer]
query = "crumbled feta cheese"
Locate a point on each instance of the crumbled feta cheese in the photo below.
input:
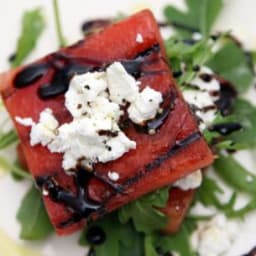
(191, 181)
(202, 99)
(145, 106)
(45, 130)
(122, 86)
(94, 100)
(84, 89)
(215, 237)
(42, 132)
(113, 176)
(139, 38)
(24, 121)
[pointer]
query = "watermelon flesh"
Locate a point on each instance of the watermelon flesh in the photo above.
(174, 151)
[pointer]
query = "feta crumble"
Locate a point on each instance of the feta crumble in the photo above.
(24, 121)
(94, 100)
(139, 38)
(202, 96)
(114, 176)
(214, 237)
(145, 106)
(191, 181)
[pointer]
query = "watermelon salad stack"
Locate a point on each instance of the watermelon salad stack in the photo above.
(174, 150)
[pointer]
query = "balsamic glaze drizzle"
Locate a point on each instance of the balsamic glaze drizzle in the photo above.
(65, 67)
(251, 253)
(227, 97)
(96, 235)
(80, 205)
(226, 128)
(30, 75)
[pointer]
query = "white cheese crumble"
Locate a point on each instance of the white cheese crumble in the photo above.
(24, 121)
(94, 100)
(191, 181)
(139, 38)
(214, 237)
(145, 105)
(202, 96)
(114, 176)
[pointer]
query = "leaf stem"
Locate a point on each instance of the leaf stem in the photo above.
(14, 169)
(61, 38)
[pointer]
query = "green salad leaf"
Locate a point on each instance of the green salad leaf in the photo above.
(35, 224)
(143, 212)
(179, 242)
(119, 237)
(179, 52)
(33, 24)
(245, 113)
(230, 63)
(235, 174)
(206, 194)
(5, 166)
(200, 16)
(7, 139)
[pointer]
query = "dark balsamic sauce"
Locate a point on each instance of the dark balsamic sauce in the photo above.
(96, 235)
(251, 253)
(226, 128)
(206, 77)
(12, 57)
(77, 203)
(65, 67)
(92, 26)
(91, 252)
(177, 73)
(227, 97)
(30, 75)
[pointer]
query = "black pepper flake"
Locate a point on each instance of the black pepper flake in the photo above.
(79, 106)
(87, 87)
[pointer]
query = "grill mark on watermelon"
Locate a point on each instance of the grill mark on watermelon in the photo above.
(65, 67)
(157, 162)
(80, 205)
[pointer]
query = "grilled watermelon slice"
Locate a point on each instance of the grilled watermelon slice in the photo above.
(175, 150)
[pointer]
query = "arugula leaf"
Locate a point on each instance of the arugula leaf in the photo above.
(119, 237)
(245, 113)
(35, 224)
(7, 139)
(235, 175)
(33, 24)
(61, 38)
(230, 63)
(150, 249)
(200, 16)
(206, 194)
(13, 168)
(179, 242)
(251, 206)
(191, 55)
(143, 212)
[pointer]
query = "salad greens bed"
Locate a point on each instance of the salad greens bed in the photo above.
(133, 229)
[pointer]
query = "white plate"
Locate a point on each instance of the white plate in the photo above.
(238, 15)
